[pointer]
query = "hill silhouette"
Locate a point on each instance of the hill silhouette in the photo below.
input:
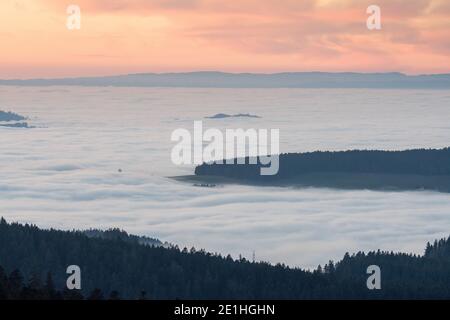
(116, 267)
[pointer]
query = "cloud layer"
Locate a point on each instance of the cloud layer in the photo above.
(65, 173)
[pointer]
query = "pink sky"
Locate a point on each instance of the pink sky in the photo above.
(132, 36)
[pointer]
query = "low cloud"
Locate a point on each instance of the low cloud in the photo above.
(66, 174)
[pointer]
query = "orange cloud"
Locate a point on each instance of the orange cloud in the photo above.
(246, 35)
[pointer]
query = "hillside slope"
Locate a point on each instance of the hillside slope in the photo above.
(170, 273)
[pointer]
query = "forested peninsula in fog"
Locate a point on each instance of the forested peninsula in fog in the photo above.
(420, 169)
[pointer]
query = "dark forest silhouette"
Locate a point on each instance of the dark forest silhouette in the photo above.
(120, 267)
(360, 169)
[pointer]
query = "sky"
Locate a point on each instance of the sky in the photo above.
(119, 37)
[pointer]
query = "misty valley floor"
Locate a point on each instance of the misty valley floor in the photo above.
(64, 173)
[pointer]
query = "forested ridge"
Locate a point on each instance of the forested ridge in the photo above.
(34, 261)
(418, 161)
(377, 169)
(117, 234)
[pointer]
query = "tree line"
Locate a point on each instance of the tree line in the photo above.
(427, 162)
(118, 268)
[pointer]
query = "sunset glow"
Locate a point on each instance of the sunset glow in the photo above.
(119, 37)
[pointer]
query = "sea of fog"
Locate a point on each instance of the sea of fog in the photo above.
(64, 173)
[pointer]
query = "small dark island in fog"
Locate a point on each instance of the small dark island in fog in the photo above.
(421, 169)
(10, 116)
(238, 115)
(10, 119)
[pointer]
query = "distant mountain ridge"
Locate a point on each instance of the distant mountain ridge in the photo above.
(214, 79)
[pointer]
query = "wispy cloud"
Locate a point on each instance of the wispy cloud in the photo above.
(247, 35)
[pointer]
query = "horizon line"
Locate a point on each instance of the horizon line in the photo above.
(231, 73)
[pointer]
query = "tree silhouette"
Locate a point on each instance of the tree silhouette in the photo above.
(130, 270)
